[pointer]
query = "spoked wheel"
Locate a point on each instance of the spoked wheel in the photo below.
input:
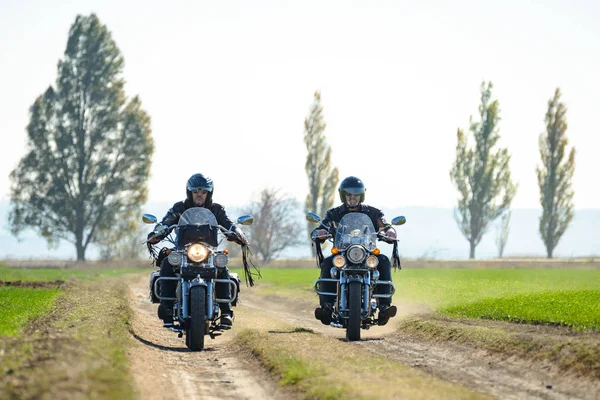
(196, 328)
(354, 306)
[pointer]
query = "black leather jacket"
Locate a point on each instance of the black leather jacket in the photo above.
(334, 215)
(173, 215)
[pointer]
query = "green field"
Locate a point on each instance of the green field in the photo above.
(54, 274)
(541, 296)
(20, 305)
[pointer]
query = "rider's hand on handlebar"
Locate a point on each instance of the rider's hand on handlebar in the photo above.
(153, 239)
(391, 234)
(321, 232)
(321, 235)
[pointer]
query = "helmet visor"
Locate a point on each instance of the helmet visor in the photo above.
(197, 188)
(357, 191)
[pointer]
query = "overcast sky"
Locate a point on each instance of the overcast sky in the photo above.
(228, 85)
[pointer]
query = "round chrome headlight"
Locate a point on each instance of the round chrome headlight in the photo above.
(356, 254)
(174, 259)
(372, 262)
(220, 260)
(197, 253)
(339, 261)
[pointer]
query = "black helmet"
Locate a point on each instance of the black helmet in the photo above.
(352, 185)
(199, 182)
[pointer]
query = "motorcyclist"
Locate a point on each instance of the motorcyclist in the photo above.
(199, 192)
(352, 194)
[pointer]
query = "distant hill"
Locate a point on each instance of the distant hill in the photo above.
(432, 232)
(428, 233)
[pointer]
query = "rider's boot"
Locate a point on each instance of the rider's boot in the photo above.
(165, 312)
(226, 318)
(323, 314)
(385, 313)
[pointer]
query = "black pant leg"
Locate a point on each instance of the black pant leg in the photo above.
(223, 290)
(385, 274)
(327, 286)
(167, 287)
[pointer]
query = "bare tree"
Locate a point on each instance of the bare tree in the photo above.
(502, 231)
(555, 176)
(322, 178)
(276, 225)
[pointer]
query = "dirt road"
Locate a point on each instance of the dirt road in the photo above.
(164, 368)
(220, 372)
(482, 372)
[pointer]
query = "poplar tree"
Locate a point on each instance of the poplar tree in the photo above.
(555, 175)
(481, 173)
(322, 177)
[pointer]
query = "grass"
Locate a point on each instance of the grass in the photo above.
(78, 348)
(579, 309)
(21, 305)
(69, 340)
(575, 353)
(322, 367)
(449, 287)
(53, 274)
(545, 296)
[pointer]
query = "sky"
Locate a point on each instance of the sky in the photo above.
(228, 85)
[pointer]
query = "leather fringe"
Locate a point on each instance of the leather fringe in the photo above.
(319, 253)
(249, 275)
(396, 257)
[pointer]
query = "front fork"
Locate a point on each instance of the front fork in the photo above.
(345, 280)
(369, 298)
(185, 287)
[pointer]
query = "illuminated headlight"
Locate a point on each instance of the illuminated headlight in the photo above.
(220, 260)
(174, 259)
(339, 261)
(372, 262)
(356, 254)
(197, 253)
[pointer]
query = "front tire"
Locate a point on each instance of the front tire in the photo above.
(197, 325)
(354, 308)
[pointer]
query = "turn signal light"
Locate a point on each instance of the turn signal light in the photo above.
(334, 250)
(225, 251)
(376, 251)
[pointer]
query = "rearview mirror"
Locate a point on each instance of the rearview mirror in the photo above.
(245, 220)
(401, 220)
(149, 219)
(312, 217)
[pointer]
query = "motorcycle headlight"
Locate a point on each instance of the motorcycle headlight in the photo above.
(174, 259)
(220, 260)
(197, 253)
(356, 254)
(339, 261)
(372, 262)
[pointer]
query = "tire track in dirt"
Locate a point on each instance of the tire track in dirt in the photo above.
(475, 369)
(163, 367)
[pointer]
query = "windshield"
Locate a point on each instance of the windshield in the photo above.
(355, 228)
(197, 216)
(197, 225)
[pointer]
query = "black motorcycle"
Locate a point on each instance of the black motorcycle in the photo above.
(354, 271)
(197, 259)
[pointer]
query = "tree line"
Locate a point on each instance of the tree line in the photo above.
(84, 176)
(481, 174)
